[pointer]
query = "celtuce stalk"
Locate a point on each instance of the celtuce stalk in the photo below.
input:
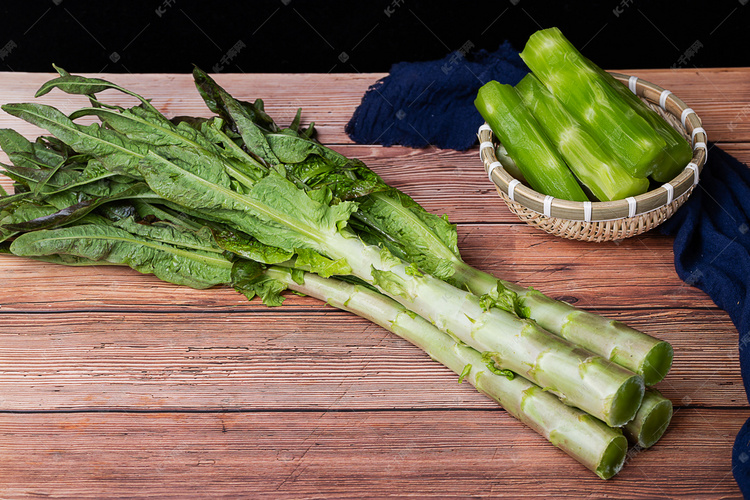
(579, 377)
(593, 101)
(630, 348)
(588, 440)
(598, 170)
(651, 421)
(640, 353)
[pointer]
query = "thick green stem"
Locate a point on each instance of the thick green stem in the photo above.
(678, 151)
(597, 446)
(531, 150)
(634, 350)
(651, 421)
(579, 377)
(640, 353)
(594, 166)
(593, 101)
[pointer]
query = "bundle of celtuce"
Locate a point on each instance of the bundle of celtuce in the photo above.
(236, 200)
(571, 117)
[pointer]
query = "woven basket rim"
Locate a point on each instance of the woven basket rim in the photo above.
(603, 211)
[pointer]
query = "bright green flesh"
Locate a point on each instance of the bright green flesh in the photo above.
(629, 396)
(657, 363)
(593, 101)
(651, 421)
(598, 170)
(613, 458)
(523, 137)
(655, 425)
(678, 151)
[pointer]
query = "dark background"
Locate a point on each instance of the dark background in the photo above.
(346, 36)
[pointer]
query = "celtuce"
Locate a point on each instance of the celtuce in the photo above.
(597, 446)
(175, 197)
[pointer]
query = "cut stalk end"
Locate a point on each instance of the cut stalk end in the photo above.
(657, 363)
(651, 421)
(613, 458)
(626, 401)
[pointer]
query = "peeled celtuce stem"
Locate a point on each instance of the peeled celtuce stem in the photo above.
(594, 166)
(678, 151)
(593, 101)
(531, 150)
(585, 438)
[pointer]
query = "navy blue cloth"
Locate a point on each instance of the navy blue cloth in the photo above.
(712, 252)
(432, 103)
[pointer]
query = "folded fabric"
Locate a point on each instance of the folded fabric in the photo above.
(712, 252)
(432, 103)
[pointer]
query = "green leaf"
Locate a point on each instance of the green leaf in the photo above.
(20, 213)
(413, 270)
(172, 234)
(488, 358)
(72, 213)
(13, 142)
(242, 119)
(74, 84)
(214, 96)
(505, 299)
(145, 125)
(250, 248)
(294, 149)
(172, 263)
(312, 261)
(60, 71)
(248, 278)
(392, 283)
(464, 373)
(274, 211)
(395, 221)
(117, 153)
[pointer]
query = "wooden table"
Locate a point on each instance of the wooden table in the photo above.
(114, 384)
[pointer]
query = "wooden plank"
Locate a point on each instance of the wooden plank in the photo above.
(445, 181)
(720, 96)
(313, 358)
(434, 454)
(584, 274)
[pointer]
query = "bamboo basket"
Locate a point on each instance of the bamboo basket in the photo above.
(611, 220)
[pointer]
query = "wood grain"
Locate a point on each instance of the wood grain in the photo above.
(114, 384)
(426, 454)
(292, 358)
(720, 96)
